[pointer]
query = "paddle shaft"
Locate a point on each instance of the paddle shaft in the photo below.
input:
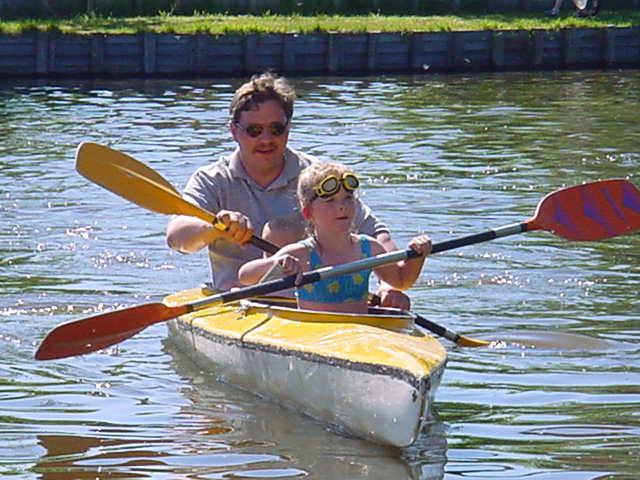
(444, 332)
(263, 245)
(313, 276)
(485, 236)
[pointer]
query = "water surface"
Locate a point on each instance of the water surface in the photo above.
(448, 155)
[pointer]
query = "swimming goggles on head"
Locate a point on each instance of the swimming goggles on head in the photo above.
(330, 185)
(254, 130)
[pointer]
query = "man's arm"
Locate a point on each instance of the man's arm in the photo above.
(189, 234)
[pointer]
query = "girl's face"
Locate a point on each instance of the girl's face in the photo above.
(334, 213)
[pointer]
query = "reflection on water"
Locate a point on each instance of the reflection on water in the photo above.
(450, 155)
(553, 341)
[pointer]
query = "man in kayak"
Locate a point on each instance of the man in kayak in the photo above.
(255, 184)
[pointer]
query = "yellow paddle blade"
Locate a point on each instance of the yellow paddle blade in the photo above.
(89, 155)
(463, 341)
(134, 181)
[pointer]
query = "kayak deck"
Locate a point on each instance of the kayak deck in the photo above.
(371, 375)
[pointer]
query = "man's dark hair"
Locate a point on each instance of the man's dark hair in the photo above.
(262, 88)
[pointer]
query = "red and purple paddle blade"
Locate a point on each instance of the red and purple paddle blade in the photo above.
(593, 211)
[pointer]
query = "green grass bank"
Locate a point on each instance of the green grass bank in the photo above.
(265, 24)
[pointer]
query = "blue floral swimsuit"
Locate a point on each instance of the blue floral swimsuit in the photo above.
(345, 288)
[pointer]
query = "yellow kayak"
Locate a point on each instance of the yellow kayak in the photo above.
(373, 376)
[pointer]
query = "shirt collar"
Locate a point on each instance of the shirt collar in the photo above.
(291, 170)
(235, 165)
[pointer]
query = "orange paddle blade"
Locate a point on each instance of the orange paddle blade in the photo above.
(100, 331)
(593, 211)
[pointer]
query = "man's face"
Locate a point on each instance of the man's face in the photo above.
(264, 152)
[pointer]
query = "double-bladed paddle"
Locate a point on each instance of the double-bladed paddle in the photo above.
(133, 180)
(593, 211)
(140, 184)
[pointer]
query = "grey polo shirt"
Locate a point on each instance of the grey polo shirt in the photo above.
(225, 185)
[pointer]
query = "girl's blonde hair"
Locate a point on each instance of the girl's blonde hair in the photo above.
(314, 174)
(310, 177)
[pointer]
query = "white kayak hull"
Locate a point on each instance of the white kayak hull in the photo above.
(378, 401)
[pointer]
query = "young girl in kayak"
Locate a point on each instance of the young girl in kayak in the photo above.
(326, 192)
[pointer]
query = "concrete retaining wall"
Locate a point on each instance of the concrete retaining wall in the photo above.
(44, 54)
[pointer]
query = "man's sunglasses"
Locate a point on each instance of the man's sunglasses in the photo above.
(331, 184)
(254, 130)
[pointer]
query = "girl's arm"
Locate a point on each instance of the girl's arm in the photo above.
(402, 275)
(287, 258)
